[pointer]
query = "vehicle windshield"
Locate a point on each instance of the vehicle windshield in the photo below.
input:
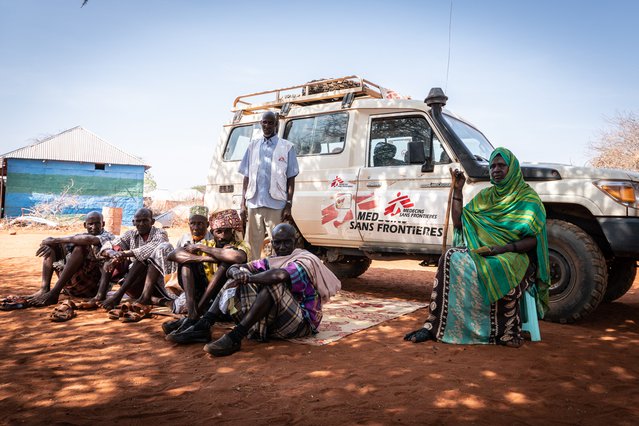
(476, 143)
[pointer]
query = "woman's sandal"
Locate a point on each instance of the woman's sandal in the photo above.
(515, 342)
(63, 312)
(137, 313)
(119, 311)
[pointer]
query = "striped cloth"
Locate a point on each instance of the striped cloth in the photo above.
(500, 214)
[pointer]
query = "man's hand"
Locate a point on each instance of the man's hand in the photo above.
(243, 215)
(286, 213)
(240, 274)
(44, 251)
(192, 248)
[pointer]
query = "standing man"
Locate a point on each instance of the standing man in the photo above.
(269, 168)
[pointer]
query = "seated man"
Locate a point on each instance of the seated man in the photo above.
(203, 259)
(143, 244)
(279, 297)
(76, 261)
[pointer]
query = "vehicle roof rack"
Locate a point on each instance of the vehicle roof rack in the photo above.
(313, 92)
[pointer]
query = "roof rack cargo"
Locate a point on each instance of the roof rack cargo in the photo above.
(313, 92)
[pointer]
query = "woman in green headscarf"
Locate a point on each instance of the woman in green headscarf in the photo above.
(501, 250)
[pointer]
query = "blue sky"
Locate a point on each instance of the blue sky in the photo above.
(158, 78)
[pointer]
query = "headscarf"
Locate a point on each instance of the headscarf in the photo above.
(226, 219)
(198, 211)
(505, 212)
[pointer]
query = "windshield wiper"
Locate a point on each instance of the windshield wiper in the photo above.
(480, 158)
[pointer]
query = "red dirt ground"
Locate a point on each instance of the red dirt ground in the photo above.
(92, 370)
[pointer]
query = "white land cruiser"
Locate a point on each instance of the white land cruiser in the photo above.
(374, 182)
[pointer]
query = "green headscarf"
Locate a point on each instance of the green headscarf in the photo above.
(503, 213)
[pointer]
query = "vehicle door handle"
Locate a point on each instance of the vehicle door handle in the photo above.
(373, 185)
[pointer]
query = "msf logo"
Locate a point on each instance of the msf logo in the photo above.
(398, 204)
(337, 182)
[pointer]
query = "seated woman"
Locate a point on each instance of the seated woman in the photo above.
(500, 250)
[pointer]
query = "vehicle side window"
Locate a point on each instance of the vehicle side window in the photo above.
(319, 135)
(239, 141)
(391, 136)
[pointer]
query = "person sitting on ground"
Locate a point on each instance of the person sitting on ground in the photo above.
(279, 296)
(76, 261)
(202, 260)
(501, 251)
(143, 245)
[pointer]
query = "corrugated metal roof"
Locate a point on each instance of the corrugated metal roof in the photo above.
(76, 144)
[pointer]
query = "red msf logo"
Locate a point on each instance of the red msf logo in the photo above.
(337, 181)
(398, 204)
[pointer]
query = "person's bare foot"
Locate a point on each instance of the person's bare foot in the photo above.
(44, 299)
(109, 303)
(36, 294)
(144, 301)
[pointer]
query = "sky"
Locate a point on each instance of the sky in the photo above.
(158, 78)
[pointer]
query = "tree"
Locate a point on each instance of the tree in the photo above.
(618, 147)
(149, 182)
(201, 188)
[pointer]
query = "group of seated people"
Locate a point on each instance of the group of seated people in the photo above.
(500, 252)
(276, 297)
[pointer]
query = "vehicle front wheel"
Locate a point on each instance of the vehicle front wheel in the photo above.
(349, 266)
(578, 272)
(621, 274)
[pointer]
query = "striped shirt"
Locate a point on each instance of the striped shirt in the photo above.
(132, 240)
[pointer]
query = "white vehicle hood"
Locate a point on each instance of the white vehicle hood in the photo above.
(575, 172)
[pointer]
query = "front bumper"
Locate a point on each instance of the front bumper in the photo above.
(622, 234)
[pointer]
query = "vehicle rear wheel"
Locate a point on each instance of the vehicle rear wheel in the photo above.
(578, 273)
(621, 274)
(349, 266)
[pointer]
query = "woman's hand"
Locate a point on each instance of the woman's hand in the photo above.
(459, 179)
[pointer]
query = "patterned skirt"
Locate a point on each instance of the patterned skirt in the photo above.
(285, 320)
(458, 311)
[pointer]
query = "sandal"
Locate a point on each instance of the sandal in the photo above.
(137, 313)
(88, 305)
(11, 303)
(119, 311)
(63, 312)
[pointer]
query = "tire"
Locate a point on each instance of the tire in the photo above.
(578, 273)
(621, 274)
(349, 266)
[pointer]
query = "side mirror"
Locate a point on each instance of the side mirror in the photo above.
(416, 155)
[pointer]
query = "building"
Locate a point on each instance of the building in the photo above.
(73, 172)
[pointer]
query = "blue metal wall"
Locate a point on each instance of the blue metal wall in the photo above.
(30, 182)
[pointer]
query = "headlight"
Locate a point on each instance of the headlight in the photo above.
(623, 192)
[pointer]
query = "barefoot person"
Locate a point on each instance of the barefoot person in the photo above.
(203, 259)
(501, 251)
(144, 247)
(279, 297)
(76, 261)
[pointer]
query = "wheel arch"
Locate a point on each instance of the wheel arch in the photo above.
(580, 216)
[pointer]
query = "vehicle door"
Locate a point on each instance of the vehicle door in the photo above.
(401, 205)
(325, 189)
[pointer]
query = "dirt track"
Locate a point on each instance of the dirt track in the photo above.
(94, 370)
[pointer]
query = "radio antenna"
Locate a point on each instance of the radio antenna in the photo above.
(450, 25)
